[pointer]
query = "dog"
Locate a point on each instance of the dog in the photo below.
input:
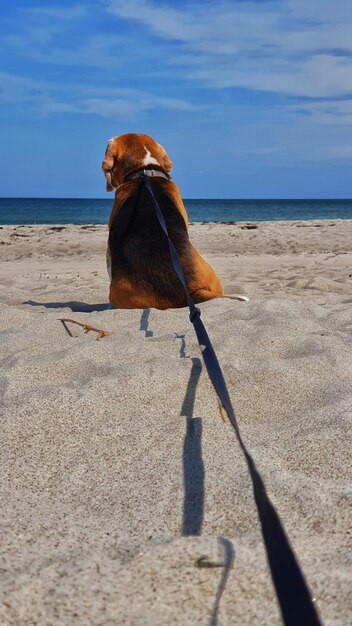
(138, 259)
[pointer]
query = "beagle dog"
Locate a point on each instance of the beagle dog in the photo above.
(138, 259)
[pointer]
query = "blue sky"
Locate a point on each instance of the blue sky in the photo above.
(251, 99)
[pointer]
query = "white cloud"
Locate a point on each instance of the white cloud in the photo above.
(15, 88)
(292, 48)
(41, 25)
(105, 101)
(53, 36)
(61, 13)
(319, 76)
(98, 51)
(341, 152)
(338, 112)
(125, 107)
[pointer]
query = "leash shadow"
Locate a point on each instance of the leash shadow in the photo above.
(193, 478)
(75, 306)
(229, 558)
(144, 323)
(193, 467)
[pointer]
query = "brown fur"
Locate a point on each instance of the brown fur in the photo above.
(125, 154)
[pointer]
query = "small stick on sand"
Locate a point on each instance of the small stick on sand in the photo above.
(222, 411)
(87, 328)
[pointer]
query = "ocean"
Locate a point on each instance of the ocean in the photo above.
(96, 211)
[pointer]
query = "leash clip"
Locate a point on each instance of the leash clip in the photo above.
(148, 173)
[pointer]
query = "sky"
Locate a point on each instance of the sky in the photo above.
(250, 98)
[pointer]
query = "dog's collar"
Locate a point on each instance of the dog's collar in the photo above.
(146, 172)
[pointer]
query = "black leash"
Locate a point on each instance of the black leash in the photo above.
(293, 595)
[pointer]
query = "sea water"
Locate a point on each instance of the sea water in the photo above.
(96, 211)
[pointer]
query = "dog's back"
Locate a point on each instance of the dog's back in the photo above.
(139, 248)
(138, 258)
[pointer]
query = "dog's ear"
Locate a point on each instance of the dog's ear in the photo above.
(166, 163)
(108, 164)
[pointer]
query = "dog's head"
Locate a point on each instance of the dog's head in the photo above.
(127, 153)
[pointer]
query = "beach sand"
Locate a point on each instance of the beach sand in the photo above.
(119, 478)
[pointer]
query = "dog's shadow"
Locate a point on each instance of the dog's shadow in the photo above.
(75, 306)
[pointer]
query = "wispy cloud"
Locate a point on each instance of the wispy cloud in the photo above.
(39, 26)
(73, 12)
(263, 84)
(49, 97)
(320, 76)
(44, 34)
(292, 48)
(338, 112)
(112, 107)
(96, 52)
(15, 88)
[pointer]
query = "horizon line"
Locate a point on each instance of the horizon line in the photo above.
(185, 199)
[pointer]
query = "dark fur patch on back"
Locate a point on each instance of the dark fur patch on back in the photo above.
(139, 247)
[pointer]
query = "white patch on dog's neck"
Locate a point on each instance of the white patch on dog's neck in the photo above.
(148, 159)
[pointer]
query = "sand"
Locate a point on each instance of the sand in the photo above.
(121, 483)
